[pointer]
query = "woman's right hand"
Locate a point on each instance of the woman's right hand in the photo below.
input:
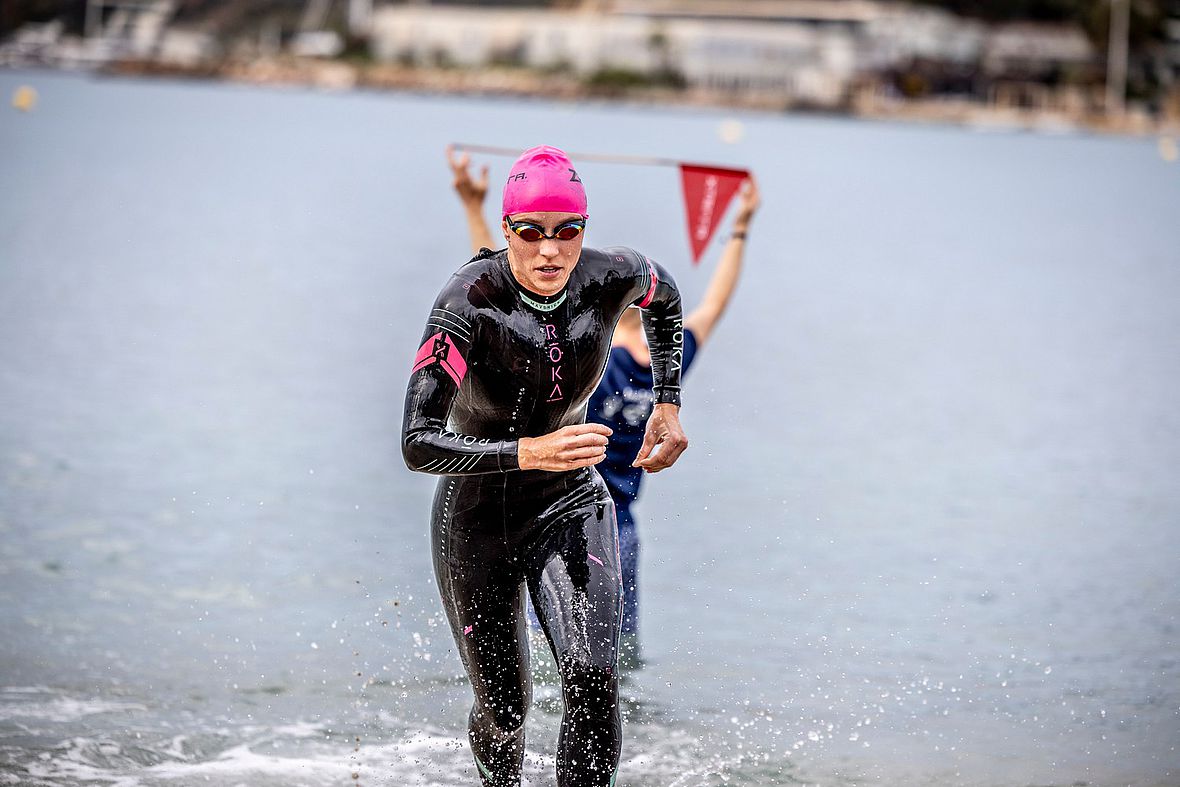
(471, 191)
(570, 447)
(750, 201)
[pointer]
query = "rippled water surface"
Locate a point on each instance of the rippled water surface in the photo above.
(926, 532)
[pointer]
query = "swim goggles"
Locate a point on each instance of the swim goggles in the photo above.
(531, 233)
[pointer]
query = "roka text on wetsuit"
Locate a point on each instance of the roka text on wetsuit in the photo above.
(498, 363)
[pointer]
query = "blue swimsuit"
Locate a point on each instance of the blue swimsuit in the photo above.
(623, 401)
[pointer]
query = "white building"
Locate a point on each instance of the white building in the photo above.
(790, 50)
(891, 39)
(793, 60)
(474, 37)
(1029, 47)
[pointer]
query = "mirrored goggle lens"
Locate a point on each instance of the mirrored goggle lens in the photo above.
(568, 231)
(528, 232)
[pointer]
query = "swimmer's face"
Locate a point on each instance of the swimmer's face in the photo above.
(543, 266)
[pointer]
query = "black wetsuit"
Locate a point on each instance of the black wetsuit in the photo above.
(498, 363)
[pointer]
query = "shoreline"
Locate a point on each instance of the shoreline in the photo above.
(343, 75)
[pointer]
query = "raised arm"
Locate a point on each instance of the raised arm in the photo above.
(704, 317)
(440, 365)
(471, 195)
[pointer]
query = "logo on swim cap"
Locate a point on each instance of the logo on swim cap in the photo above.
(543, 179)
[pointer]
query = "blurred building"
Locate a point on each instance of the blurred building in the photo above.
(828, 54)
(800, 51)
(114, 30)
(809, 52)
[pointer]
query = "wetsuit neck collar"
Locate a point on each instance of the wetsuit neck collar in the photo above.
(540, 303)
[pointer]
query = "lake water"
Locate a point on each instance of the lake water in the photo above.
(926, 534)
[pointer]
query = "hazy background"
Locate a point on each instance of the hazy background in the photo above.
(925, 534)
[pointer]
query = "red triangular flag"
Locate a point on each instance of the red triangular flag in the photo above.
(707, 192)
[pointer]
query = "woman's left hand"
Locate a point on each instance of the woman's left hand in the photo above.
(664, 441)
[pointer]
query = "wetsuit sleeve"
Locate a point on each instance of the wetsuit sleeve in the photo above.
(440, 366)
(663, 323)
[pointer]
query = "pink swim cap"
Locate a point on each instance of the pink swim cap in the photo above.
(543, 179)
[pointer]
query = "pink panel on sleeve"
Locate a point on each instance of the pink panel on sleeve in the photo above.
(651, 291)
(425, 355)
(455, 363)
(441, 349)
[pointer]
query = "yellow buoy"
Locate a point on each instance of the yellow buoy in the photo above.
(1169, 151)
(25, 98)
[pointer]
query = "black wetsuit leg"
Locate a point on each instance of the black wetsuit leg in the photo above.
(482, 588)
(577, 590)
(490, 541)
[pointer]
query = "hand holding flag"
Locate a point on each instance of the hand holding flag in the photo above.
(707, 193)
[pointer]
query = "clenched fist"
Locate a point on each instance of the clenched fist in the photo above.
(570, 447)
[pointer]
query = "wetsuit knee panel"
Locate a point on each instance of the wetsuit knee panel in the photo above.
(589, 686)
(507, 720)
